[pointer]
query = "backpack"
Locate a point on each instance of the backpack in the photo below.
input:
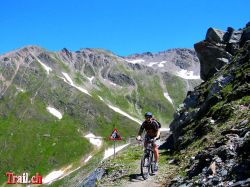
(159, 124)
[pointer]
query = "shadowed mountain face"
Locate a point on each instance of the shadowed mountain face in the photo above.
(50, 100)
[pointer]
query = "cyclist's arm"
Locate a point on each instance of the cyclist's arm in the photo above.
(158, 134)
(140, 132)
(157, 128)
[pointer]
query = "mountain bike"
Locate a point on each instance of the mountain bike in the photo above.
(148, 159)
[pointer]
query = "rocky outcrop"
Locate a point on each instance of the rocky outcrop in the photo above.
(246, 34)
(208, 93)
(215, 35)
(223, 160)
(212, 58)
(91, 180)
(225, 163)
(121, 79)
(217, 49)
(196, 105)
(212, 124)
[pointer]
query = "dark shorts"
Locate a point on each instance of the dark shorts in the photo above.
(157, 142)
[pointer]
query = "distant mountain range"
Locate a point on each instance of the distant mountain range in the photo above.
(50, 100)
(173, 60)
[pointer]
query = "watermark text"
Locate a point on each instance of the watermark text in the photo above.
(23, 179)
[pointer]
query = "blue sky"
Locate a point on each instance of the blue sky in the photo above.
(122, 26)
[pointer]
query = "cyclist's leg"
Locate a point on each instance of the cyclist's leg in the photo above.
(156, 155)
(145, 142)
(156, 152)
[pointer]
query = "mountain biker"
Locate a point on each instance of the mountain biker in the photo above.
(152, 128)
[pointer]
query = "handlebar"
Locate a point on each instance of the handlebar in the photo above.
(147, 140)
(150, 140)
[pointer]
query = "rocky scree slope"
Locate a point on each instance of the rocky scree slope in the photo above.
(210, 131)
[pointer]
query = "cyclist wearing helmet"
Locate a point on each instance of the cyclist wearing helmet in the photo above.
(152, 128)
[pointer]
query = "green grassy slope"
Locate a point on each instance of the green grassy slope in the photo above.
(33, 140)
(33, 143)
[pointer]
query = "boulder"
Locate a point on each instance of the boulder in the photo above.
(233, 43)
(212, 58)
(214, 35)
(245, 35)
(218, 84)
(241, 183)
(235, 36)
(191, 101)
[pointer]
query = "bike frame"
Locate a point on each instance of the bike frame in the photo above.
(149, 156)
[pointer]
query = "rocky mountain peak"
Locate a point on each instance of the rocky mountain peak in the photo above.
(172, 60)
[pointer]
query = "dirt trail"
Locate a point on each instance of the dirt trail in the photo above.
(147, 183)
(138, 181)
(125, 170)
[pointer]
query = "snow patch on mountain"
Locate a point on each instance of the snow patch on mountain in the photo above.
(68, 78)
(59, 174)
(52, 176)
(118, 110)
(166, 95)
(94, 139)
(54, 112)
(70, 81)
(110, 151)
(185, 74)
(47, 68)
(82, 90)
(90, 79)
(136, 61)
(100, 98)
(87, 159)
(161, 64)
(152, 63)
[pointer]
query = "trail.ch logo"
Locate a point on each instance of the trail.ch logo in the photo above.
(23, 179)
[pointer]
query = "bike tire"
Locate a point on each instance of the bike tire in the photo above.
(152, 165)
(145, 169)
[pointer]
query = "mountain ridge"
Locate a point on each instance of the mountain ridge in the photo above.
(76, 93)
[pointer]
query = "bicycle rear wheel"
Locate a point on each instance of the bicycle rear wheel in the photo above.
(145, 166)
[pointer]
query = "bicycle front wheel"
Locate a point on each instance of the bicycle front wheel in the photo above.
(145, 166)
(152, 163)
